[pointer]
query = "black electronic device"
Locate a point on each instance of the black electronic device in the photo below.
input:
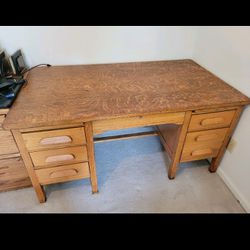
(18, 63)
(9, 92)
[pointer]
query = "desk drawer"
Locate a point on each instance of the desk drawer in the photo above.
(63, 173)
(203, 144)
(7, 143)
(211, 120)
(55, 157)
(13, 174)
(54, 138)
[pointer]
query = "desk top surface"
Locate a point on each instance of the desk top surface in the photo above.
(70, 94)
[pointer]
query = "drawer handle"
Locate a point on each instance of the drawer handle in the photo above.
(66, 157)
(63, 173)
(206, 151)
(212, 121)
(56, 140)
(206, 137)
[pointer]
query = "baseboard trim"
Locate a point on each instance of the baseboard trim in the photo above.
(245, 204)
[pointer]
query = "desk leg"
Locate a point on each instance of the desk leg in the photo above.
(177, 153)
(91, 156)
(216, 161)
(29, 166)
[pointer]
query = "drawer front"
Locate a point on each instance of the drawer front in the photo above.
(203, 144)
(199, 152)
(54, 138)
(102, 126)
(211, 120)
(55, 157)
(7, 143)
(63, 173)
(206, 137)
(13, 174)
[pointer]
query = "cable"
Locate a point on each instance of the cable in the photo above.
(41, 64)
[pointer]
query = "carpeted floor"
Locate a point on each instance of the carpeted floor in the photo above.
(132, 176)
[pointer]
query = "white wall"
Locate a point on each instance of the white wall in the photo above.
(225, 51)
(98, 44)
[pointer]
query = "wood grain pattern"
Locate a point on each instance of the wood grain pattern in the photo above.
(102, 126)
(66, 94)
(13, 174)
(8, 156)
(7, 143)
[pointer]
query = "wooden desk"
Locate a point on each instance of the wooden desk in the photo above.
(13, 174)
(56, 116)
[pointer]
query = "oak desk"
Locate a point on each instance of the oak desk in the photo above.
(56, 116)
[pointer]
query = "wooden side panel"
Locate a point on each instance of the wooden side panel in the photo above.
(169, 134)
(216, 160)
(13, 174)
(7, 143)
(101, 126)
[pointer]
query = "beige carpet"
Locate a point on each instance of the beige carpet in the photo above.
(132, 178)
